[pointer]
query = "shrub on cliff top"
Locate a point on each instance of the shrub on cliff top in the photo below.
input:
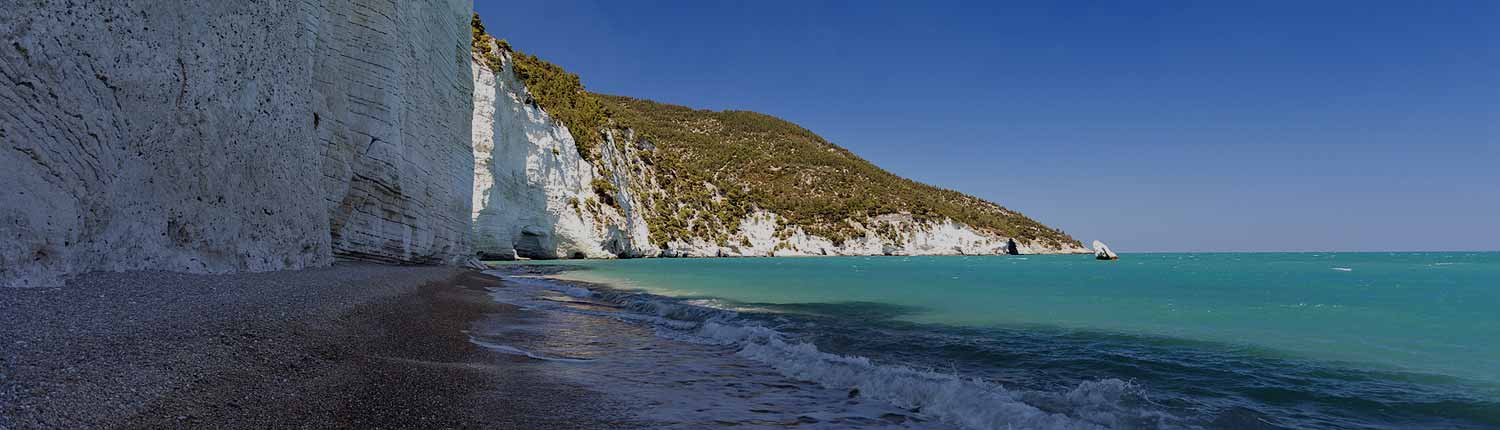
(476, 26)
(555, 90)
(483, 43)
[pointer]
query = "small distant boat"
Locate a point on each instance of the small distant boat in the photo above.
(1102, 252)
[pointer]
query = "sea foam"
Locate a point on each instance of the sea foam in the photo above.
(968, 402)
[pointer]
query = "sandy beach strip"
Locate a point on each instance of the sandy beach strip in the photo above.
(349, 346)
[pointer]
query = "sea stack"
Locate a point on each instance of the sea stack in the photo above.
(1102, 252)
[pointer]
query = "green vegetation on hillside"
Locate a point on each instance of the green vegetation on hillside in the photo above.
(717, 167)
(482, 43)
(558, 92)
(561, 94)
(784, 168)
(605, 190)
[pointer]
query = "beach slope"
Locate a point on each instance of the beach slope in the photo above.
(348, 346)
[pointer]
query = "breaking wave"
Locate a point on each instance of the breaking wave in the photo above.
(968, 402)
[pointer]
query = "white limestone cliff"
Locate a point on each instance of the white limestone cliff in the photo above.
(533, 192)
(1102, 252)
(216, 137)
(762, 234)
(534, 197)
(392, 88)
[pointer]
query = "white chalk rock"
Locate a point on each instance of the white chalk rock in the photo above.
(533, 194)
(217, 137)
(760, 235)
(1102, 252)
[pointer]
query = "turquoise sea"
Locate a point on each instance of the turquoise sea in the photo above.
(1215, 340)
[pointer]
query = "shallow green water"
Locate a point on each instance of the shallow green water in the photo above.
(1430, 321)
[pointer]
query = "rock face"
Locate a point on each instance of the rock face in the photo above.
(217, 137)
(534, 195)
(1102, 252)
(763, 234)
(231, 136)
(392, 88)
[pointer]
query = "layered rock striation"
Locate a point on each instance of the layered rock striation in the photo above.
(217, 137)
(214, 137)
(391, 88)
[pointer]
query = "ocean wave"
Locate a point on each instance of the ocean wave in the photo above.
(971, 403)
(507, 349)
(968, 402)
(568, 289)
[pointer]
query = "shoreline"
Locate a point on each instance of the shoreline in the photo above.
(522, 345)
(664, 256)
(355, 345)
(660, 358)
(1068, 358)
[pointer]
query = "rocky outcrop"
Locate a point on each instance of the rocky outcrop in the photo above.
(231, 136)
(534, 195)
(764, 234)
(1102, 252)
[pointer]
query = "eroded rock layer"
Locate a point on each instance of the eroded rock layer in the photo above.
(392, 90)
(534, 195)
(217, 137)
(231, 136)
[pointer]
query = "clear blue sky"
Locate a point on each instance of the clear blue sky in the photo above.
(1156, 126)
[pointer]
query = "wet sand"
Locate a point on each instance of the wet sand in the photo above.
(350, 346)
